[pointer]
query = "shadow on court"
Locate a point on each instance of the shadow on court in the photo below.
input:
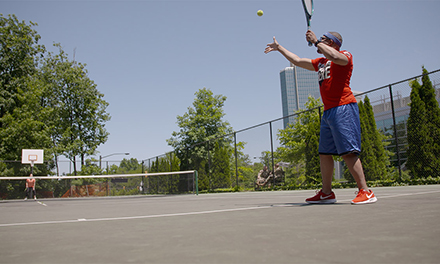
(254, 227)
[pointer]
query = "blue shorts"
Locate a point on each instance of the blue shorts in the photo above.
(340, 131)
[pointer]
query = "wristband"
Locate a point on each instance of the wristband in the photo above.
(317, 42)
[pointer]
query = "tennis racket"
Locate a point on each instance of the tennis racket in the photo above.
(308, 10)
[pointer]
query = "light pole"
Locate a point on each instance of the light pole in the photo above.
(113, 154)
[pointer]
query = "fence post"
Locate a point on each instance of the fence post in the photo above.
(320, 114)
(157, 163)
(209, 168)
(236, 161)
(395, 131)
(197, 182)
(171, 161)
(271, 151)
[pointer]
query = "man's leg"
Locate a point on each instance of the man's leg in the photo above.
(364, 196)
(327, 166)
(325, 195)
(355, 167)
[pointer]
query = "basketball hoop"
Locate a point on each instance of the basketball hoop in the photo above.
(32, 156)
(32, 159)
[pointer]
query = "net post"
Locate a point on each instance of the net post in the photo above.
(195, 175)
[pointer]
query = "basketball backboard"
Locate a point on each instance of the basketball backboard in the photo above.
(32, 156)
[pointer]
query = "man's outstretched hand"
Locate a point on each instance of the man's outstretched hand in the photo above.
(272, 46)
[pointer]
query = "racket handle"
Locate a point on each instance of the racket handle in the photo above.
(308, 28)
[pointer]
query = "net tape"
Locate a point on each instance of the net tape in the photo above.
(96, 176)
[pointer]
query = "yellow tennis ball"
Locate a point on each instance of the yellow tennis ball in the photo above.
(260, 12)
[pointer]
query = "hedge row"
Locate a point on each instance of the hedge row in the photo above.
(338, 185)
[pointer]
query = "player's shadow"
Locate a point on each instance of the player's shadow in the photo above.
(301, 204)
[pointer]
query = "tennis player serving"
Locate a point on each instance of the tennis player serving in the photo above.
(340, 132)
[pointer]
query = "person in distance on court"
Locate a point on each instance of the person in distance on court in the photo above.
(340, 132)
(30, 188)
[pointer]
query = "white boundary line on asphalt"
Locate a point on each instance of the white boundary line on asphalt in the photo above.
(135, 217)
(398, 195)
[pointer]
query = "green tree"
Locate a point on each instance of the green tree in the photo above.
(79, 110)
(166, 163)
(247, 172)
(167, 183)
(423, 130)
(313, 168)
(299, 141)
(19, 51)
(25, 127)
(266, 158)
(129, 165)
(46, 102)
(221, 169)
(374, 157)
(203, 122)
(91, 168)
(22, 118)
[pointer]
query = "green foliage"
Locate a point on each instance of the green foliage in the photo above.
(221, 176)
(22, 118)
(246, 176)
(374, 156)
(299, 142)
(166, 163)
(313, 169)
(129, 166)
(246, 171)
(79, 112)
(19, 51)
(423, 130)
(266, 158)
(202, 122)
(46, 101)
(372, 184)
(25, 127)
(201, 168)
(91, 168)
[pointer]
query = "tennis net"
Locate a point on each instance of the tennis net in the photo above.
(177, 182)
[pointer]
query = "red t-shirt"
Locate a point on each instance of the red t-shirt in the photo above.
(334, 81)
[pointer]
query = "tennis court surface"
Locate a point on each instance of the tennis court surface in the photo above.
(252, 227)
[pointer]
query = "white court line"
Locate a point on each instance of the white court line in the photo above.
(408, 194)
(185, 214)
(135, 217)
(397, 195)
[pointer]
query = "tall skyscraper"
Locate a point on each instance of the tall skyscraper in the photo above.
(297, 84)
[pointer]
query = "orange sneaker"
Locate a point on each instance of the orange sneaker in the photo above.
(322, 198)
(364, 197)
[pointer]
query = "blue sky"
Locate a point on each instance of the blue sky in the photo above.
(150, 57)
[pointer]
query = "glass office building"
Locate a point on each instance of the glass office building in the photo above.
(297, 84)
